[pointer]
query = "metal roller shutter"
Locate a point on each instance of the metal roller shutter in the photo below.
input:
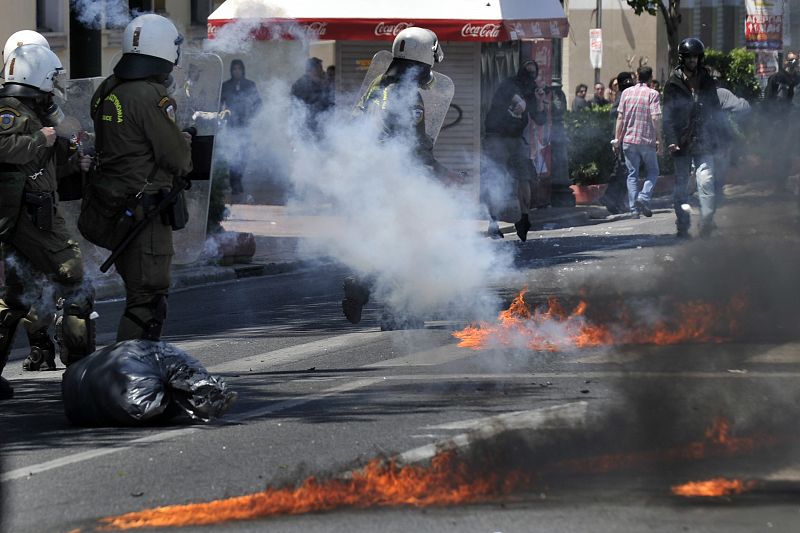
(458, 147)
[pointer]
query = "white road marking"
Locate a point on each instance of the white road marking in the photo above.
(166, 435)
(433, 357)
(791, 473)
(520, 419)
(565, 415)
(254, 363)
(783, 354)
(292, 354)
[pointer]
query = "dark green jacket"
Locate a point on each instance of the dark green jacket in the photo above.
(136, 132)
(26, 162)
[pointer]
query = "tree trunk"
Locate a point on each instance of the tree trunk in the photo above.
(672, 20)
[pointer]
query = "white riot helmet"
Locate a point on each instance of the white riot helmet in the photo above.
(35, 66)
(151, 45)
(23, 37)
(417, 44)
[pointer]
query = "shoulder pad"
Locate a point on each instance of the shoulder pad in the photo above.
(8, 117)
(169, 107)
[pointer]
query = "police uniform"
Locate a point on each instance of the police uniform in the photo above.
(140, 151)
(387, 100)
(34, 235)
(395, 101)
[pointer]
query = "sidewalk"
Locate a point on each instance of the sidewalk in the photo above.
(278, 233)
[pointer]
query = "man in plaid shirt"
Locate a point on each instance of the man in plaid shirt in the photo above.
(639, 132)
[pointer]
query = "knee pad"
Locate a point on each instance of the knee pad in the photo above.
(43, 352)
(75, 330)
(153, 322)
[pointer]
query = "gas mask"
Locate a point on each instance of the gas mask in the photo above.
(170, 85)
(53, 115)
(791, 65)
(49, 112)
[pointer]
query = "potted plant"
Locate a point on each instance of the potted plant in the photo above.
(591, 159)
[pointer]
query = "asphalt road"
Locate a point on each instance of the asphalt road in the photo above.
(599, 434)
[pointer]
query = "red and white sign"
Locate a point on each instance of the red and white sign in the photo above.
(475, 31)
(766, 66)
(386, 30)
(763, 25)
(383, 29)
(539, 134)
(357, 20)
(596, 47)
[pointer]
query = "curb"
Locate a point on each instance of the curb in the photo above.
(186, 276)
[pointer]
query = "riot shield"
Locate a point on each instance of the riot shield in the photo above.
(436, 95)
(197, 86)
(78, 127)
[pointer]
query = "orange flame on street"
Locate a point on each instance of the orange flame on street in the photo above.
(447, 481)
(713, 488)
(717, 442)
(553, 328)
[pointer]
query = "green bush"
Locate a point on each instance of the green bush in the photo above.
(589, 132)
(737, 70)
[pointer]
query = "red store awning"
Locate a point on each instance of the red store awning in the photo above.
(370, 20)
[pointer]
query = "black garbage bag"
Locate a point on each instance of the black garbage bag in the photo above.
(141, 382)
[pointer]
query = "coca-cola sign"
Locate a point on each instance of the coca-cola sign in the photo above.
(476, 31)
(317, 29)
(383, 28)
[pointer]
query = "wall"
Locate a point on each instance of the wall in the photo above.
(17, 16)
(626, 37)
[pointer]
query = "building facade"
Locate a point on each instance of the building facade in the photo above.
(630, 41)
(52, 19)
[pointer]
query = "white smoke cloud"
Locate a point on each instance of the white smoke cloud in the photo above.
(101, 14)
(395, 224)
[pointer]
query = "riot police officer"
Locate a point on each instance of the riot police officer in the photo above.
(36, 324)
(140, 153)
(395, 100)
(32, 229)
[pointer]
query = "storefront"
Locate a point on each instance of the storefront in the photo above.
(470, 32)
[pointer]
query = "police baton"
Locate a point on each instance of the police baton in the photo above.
(134, 232)
(179, 186)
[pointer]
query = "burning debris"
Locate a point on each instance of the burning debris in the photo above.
(448, 480)
(717, 442)
(490, 471)
(552, 328)
(713, 488)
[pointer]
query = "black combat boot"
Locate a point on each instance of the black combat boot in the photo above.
(6, 391)
(356, 296)
(523, 226)
(43, 353)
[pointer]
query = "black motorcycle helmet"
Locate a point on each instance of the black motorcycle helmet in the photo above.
(691, 47)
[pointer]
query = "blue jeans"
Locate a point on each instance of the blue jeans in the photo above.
(635, 155)
(704, 175)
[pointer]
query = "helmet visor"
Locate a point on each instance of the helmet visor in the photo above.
(438, 53)
(178, 43)
(60, 84)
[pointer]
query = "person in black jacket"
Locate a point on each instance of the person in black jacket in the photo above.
(691, 109)
(506, 153)
(780, 125)
(241, 99)
(311, 89)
